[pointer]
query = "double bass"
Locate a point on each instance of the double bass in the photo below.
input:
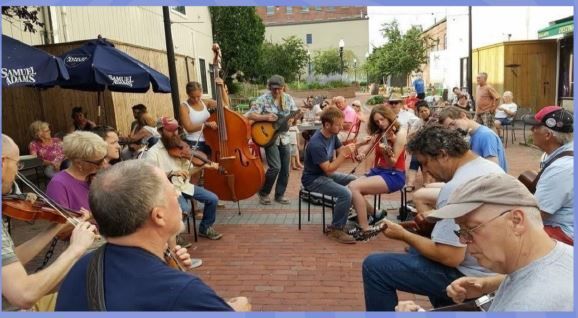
(242, 174)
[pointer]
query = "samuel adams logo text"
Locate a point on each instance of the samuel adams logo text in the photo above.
(19, 75)
(121, 80)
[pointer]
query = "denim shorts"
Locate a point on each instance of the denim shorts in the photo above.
(504, 121)
(394, 179)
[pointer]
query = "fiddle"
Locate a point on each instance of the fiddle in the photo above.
(183, 151)
(172, 261)
(378, 138)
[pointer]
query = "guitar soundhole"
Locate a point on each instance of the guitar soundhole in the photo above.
(264, 131)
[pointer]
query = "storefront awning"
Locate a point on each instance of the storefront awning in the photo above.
(561, 28)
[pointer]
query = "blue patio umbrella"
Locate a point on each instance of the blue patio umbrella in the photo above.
(98, 65)
(25, 65)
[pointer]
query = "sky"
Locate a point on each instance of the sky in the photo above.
(405, 16)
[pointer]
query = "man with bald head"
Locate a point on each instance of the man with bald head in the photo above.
(19, 289)
(349, 117)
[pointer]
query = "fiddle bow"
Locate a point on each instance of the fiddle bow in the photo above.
(375, 143)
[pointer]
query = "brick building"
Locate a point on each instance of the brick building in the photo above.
(320, 28)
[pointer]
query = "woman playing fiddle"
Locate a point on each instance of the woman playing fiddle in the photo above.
(388, 174)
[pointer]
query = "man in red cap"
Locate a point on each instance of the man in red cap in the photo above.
(179, 170)
(553, 132)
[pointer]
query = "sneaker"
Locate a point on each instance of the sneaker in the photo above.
(368, 234)
(196, 262)
(264, 200)
(282, 200)
(379, 215)
(340, 236)
(352, 215)
(210, 233)
(183, 242)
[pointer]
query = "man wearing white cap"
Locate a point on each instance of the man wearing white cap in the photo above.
(500, 221)
(553, 132)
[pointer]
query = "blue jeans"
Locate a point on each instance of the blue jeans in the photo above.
(335, 185)
(278, 159)
(385, 273)
(210, 200)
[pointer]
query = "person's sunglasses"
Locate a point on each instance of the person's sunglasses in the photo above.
(97, 162)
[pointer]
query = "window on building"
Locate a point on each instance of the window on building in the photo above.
(309, 38)
(289, 10)
(330, 8)
(203, 70)
(180, 9)
(304, 9)
(270, 10)
(317, 8)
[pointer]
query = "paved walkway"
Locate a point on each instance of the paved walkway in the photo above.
(264, 256)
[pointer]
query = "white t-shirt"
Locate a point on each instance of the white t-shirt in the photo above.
(510, 107)
(159, 156)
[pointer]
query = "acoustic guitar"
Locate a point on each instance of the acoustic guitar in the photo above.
(480, 304)
(264, 133)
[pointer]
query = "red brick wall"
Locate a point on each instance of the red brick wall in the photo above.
(281, 17)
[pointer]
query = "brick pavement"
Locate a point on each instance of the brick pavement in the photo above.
(263, 255)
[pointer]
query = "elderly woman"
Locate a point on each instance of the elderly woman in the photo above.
(46, 147)
(87, 153)
(505, 113)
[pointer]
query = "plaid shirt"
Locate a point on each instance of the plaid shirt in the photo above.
(8, 255)
(265, 104)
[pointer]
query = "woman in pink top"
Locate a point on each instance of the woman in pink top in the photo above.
(45, 147)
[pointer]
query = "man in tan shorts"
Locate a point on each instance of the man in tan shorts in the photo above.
(486, 101)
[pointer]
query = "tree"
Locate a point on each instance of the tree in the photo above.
(240, 34)
(287, 59)
(28, 16)
(402, 53)
(328, 62)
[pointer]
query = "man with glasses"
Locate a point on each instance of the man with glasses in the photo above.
(19, 289)
(269, 107)
(404, 117)
(553, 132)
(500, 222)
(431, 264)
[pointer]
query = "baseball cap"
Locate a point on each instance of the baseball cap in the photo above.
(553, 117)
(496, 188)
(168, 124)
(276, 81)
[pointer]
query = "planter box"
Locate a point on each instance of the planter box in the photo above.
(347, 92)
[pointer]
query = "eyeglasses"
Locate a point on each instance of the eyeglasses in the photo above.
(97, 162)
(466, 235)
(19, 164)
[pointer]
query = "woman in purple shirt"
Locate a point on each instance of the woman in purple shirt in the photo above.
(87, 154)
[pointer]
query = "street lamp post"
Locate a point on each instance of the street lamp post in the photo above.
(308, 63)
(355, 70)
(366, 69)
(341, 45)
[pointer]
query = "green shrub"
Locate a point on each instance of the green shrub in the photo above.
(376, 100)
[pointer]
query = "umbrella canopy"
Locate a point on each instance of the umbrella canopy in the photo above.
(25, 65)
(98, 65)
